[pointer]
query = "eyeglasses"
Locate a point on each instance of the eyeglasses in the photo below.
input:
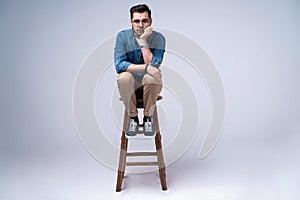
(144, 21)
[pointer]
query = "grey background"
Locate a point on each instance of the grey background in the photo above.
(255, 46)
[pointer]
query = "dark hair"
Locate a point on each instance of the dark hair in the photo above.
(140, 9)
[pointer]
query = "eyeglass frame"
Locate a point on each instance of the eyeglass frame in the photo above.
(138, 21)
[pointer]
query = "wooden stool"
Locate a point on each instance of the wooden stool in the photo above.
(158, 153)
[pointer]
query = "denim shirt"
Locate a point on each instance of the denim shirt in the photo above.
(127, 50)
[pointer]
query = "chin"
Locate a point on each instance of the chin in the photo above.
(138, 33)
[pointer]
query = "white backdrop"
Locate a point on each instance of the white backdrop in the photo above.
(255, 46)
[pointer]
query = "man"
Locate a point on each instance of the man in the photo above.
(138, 54)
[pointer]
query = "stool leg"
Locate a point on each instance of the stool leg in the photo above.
(122, 161)
(155, 120)
(160, 157)
(123, 151)
(160, 160)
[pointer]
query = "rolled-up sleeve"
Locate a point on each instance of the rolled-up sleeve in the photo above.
(120, 54)
(158, 50)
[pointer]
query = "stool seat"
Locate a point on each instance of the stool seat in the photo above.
(140, 101)
(158, 98)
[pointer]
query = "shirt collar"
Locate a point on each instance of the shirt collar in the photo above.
(132, 33)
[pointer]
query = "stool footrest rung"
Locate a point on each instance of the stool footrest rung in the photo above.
(142, 154)
(141, 163)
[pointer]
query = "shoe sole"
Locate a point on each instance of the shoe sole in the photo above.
(130, 136)
(150, 135)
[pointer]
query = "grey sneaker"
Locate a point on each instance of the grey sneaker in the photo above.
(149, 129)
(132, 129)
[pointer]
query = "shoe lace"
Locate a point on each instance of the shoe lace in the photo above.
(132, 125)
(148, 126)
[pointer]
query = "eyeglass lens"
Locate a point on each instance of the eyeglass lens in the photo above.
(137, 21)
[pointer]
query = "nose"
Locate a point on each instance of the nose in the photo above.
(141, 24)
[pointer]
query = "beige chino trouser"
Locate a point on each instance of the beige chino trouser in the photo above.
(128, 83)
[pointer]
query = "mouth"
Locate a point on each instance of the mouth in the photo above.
(140, 31)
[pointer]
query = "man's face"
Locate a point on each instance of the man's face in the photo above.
(139, 22)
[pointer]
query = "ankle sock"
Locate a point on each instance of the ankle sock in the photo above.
(136, 119)
(145, 119)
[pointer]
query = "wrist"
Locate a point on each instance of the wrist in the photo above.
(143, 40)
(144, 45)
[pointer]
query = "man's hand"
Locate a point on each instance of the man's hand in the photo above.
(147, 32)
(153, 71)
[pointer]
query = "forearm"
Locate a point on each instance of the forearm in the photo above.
(147, 54)
(135, 68)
